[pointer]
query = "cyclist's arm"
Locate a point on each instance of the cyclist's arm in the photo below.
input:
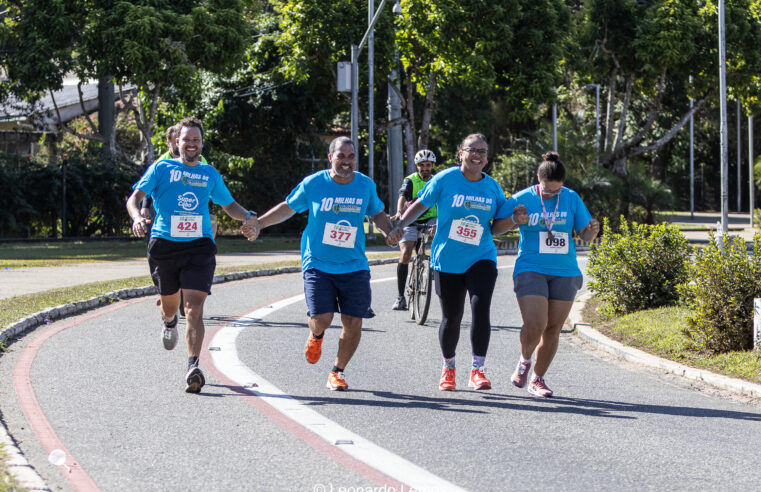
(405, 197)
(401, 206)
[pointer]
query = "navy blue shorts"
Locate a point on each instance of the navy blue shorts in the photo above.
(345, 293)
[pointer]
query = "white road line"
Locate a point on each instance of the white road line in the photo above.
(227, 361)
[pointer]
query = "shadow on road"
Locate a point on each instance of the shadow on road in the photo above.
(463, 402)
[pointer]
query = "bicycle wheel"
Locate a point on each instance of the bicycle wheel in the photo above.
(423, 294)
(411, 285)
(182, 304)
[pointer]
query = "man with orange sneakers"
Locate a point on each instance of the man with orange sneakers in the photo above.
(333, 261)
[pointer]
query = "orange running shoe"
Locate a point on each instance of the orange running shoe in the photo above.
(446, 383)
(313, 350)
(336, 381)
(478, 379)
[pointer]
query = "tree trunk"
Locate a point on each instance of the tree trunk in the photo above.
(619, 166)
(425, 125)
(611, 114)
(624, 113)
(106, 120)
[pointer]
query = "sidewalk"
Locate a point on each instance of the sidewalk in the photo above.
(21, 281)
(738, 225)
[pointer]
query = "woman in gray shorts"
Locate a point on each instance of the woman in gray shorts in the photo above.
(546, 276)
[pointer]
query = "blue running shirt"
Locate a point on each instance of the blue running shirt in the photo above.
(536, 251)
(465, 209)
(334, 239)
(181, 195)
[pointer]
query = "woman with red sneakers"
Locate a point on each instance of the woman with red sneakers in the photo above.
(463, 255)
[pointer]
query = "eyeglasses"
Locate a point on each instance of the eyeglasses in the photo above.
(551, 192)
(471, 150)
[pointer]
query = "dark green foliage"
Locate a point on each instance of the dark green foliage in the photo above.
(724, 280)
(259, 185)
(639, 267)
(96, 192)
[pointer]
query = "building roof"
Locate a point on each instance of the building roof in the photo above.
(21, 115)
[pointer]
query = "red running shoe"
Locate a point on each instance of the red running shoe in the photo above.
(446, 383)
(478, 379)
(313, 350)
(336, 382)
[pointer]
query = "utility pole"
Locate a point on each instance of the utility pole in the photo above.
(723, 117)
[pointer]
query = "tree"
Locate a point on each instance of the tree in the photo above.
(154, 46)
(641, 52)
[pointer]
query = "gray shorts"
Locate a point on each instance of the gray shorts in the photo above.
(411, 233)
(550, 286)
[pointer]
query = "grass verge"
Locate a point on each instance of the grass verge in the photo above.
(18, 307)
(660, 332)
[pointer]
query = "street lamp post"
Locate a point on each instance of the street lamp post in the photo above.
(692, 160)
(723, 117)
(355, 50)
(751, 203)
(739, 158)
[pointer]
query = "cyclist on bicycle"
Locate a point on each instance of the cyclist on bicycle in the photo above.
(415, 182)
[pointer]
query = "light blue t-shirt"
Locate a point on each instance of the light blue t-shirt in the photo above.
(334, 239)
(181, 194)
(465, 209)
(548, 258)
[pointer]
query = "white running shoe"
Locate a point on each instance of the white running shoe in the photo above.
(169, 335)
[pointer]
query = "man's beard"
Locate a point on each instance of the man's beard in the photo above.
(188, 156)
(344, 173)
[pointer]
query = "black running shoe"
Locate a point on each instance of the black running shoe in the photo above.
(195, 380)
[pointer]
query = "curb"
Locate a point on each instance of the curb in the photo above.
(589, 334)
(18, 465)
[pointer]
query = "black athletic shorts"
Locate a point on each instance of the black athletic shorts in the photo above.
(186, 264)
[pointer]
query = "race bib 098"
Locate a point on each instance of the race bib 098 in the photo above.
(554, 244)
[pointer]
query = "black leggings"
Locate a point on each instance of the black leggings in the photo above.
(478, 281)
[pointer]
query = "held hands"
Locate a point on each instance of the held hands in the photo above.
(251, 228)
(520, 215)
(394, 236)
(140, 226)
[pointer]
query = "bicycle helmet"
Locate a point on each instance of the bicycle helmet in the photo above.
(425, 155)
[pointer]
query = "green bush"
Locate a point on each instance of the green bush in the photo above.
(96, 192)
(639, 267)
(724, 280)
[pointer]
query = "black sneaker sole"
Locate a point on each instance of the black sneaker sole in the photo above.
(195, 381)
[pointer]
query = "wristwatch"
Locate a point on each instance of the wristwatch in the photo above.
(250, 213)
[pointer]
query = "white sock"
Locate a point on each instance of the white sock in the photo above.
(534, 377)
(525, 361)
(449, 363)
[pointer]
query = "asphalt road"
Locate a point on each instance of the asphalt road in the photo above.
(114, 400)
